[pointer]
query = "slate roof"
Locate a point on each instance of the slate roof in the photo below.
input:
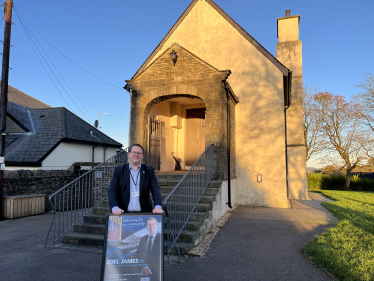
(48, 127)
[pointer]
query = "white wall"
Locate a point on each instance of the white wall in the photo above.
(220, 205)
(65, 154)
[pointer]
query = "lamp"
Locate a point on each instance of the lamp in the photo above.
(174, 57)
(259, 178)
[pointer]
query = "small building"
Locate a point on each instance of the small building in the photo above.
(42, 137)
(180, 106)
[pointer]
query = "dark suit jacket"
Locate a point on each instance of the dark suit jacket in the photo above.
(119, 190)
(152, 259)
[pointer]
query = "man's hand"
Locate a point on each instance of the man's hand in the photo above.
(117, 211)
(146, 271)
(157, 211)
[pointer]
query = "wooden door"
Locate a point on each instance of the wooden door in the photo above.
(195, 134)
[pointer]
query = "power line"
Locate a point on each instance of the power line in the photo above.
(32, 44)
(64, 81)
(35, 43)
(66, 56)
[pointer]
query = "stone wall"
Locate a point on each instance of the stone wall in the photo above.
(27, 182)
(189, 78)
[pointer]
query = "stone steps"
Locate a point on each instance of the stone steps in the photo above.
(90, 231)
(185, 241)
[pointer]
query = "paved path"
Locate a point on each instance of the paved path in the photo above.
(255, 244)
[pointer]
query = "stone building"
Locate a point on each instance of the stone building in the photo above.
(218, 61)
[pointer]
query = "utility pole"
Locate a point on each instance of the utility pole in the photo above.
(4, 94)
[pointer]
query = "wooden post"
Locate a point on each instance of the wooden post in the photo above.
(4, 94)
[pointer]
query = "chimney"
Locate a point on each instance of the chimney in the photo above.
(288, 28)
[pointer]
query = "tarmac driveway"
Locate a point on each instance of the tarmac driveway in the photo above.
(255, 244)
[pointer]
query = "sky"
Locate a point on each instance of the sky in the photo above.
(111, 39)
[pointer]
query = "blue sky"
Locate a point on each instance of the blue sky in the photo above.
(112, 38)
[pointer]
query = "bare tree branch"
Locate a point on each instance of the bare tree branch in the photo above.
(343, 125)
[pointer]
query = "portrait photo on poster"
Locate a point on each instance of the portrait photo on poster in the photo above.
(133, 247)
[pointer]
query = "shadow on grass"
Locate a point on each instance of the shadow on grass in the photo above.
(347, 250)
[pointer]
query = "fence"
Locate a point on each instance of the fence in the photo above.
(182, 200)
(72, 202)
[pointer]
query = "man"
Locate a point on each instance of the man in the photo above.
(149, 249)
(131, 184)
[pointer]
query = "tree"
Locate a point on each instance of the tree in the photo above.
(366, 99)
(313, 135)
(343, 126)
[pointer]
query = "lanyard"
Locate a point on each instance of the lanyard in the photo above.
(135, 182)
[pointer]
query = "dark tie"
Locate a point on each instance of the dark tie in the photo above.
(149, 248)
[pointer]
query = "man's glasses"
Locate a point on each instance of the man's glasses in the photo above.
(149, 224)
(136, 153)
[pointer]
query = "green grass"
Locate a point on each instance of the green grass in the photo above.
(347, 250)
(319, 181)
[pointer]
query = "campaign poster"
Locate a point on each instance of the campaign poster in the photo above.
(133, 247)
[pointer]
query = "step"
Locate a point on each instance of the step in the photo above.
(201, 207)
(101, 210)
(205, 199)
(93, 228)
(208, 191)
(171, 176)
(190, 225)
(196, 216)
(93, 218)
(185, 240)
(212, 184)
(188, 236)
(184, 248)
(81, 238)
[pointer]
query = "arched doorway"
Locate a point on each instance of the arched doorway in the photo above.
(182, 128)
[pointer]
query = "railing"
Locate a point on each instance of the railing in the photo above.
(72, 202)
(182, 200)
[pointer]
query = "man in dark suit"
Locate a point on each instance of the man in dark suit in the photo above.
(149, 250)
(131, 185)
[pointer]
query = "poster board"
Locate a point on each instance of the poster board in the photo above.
(126, 255)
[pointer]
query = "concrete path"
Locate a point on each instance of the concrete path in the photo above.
(255, 244)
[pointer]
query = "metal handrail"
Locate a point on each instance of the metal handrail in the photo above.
(183, 199)
(72, 202)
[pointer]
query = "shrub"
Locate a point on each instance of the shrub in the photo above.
(317, 181)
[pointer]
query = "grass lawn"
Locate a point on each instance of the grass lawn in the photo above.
(347, 250)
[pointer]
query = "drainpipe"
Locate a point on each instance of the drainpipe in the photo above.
(287, 83)
(104, 148)
(93, 155)
(228, 146)
(285, 137)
